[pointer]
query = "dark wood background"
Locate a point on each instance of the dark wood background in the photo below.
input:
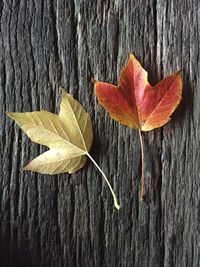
(69, 220)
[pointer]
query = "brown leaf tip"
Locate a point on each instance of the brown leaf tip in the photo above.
(94, 81)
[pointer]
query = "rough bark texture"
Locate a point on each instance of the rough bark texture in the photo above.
(69, 220)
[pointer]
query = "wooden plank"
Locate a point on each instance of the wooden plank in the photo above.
(69, 220)
(178, 48)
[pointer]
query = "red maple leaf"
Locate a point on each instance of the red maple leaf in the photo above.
(136, 103)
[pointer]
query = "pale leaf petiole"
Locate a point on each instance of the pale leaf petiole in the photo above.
(117, 206)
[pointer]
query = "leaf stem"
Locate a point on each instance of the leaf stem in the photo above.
(117, 206)
(142, 193)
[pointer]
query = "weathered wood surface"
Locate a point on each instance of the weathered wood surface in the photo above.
(70, 220)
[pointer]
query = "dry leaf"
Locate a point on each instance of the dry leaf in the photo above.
(137, 104)
(67, 135)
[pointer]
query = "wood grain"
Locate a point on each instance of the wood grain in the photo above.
(69, 220)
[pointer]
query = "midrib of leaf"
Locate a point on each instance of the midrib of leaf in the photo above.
(78, 127)
(136, 99)
(66, 141)
(55, 161)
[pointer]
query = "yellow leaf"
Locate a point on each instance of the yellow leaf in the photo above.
(68, 136)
